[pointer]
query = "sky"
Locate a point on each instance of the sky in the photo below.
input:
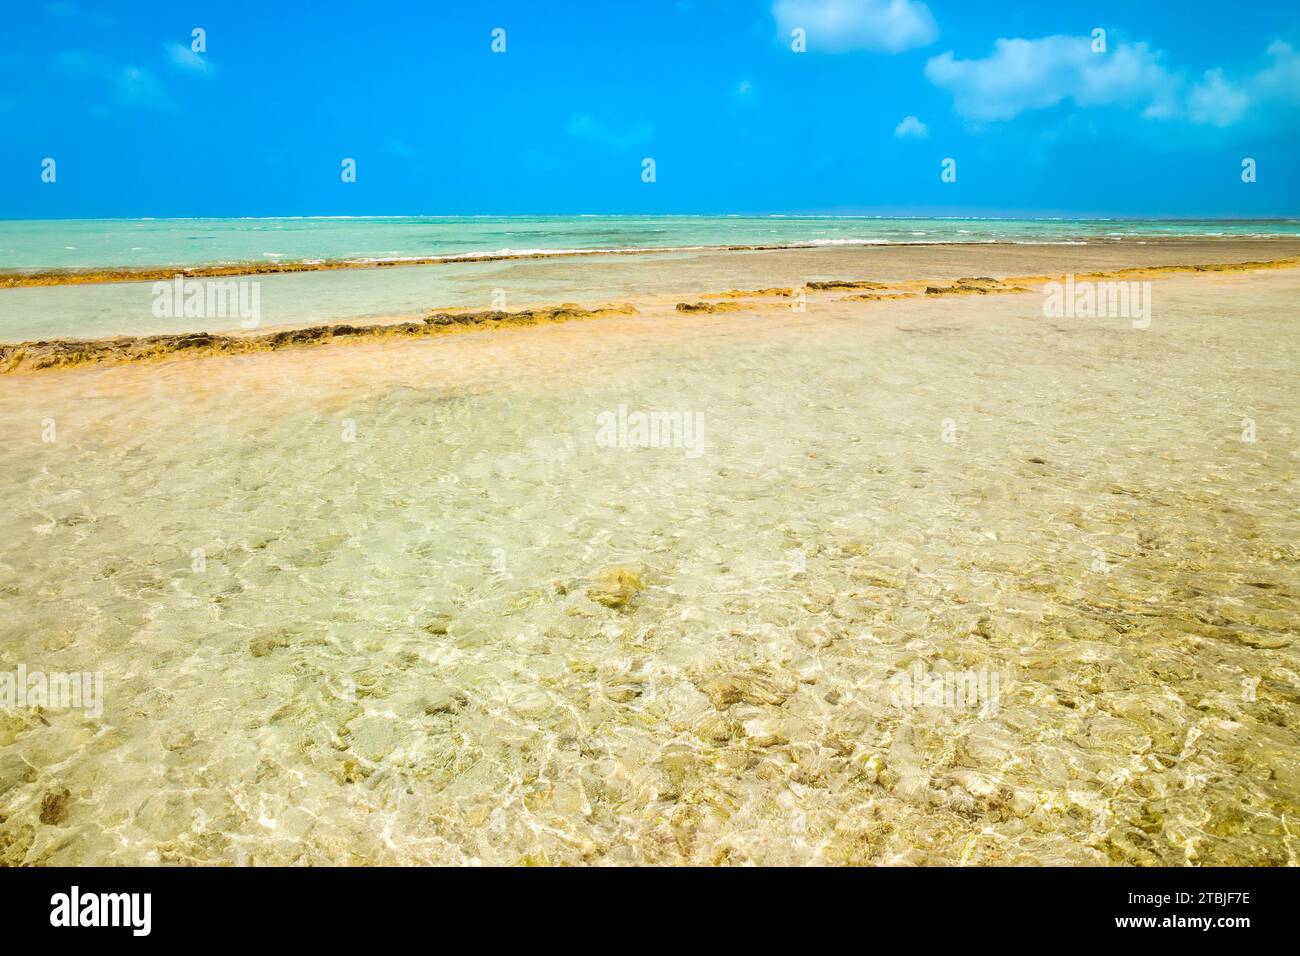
(140, 119)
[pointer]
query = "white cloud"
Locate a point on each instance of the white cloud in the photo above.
(911, 126)
(1034, 74)
(128, 87)
(183, 57)
(834, 26)
(1282, 78)
(1022, 75)
(135, 87)
(1216, 101)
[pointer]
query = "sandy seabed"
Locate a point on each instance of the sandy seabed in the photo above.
(391, 601)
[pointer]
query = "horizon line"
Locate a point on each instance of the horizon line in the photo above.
(671, 215)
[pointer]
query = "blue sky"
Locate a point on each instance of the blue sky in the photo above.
(736, 121)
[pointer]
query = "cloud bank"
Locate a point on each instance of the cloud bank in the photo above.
(1022, 75)
(837, 26)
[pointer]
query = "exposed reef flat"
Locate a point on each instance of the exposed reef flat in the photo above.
(61, 353)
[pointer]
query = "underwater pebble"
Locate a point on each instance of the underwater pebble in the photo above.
(750, 687)
(54, 807)
(615, 586)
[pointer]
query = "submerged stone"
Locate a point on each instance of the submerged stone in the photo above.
(615, 586)
(54, 807)
(750, 687)
(262, 646)
(445, 700)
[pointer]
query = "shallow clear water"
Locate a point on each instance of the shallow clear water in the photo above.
(365, 295)
(402, 648)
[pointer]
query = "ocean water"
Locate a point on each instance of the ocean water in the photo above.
(104, 243)
(352, 604)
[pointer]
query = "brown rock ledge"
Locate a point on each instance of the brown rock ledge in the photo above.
(62, 353)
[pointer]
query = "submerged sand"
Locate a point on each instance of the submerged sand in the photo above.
(392, 602)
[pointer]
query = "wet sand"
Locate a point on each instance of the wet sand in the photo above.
(391, 601)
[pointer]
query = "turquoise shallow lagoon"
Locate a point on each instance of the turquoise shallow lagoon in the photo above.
(105, 243)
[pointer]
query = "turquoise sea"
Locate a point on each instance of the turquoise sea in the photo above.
(100, 243)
